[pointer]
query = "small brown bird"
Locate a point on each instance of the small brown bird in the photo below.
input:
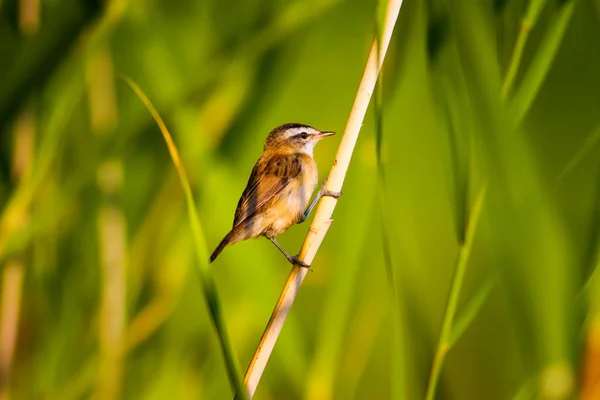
(279, 188)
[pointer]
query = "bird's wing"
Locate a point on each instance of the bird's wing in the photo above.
(268, 178)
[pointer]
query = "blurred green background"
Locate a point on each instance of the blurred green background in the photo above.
(496, 101)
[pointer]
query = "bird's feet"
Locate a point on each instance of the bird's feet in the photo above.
(329, 193)
(294, 260)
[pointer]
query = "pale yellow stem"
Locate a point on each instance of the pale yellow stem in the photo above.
(322, 219)
(12, 284)
(29, 16)
(14, 270)
(111, 226)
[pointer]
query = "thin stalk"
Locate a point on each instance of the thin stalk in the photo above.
(447, 325)
(322, 219)
(112, 244)
(590, 364)
(538, 69)
(398, 375)
(515, 62)
(589, 144)
(111, 225)
(12, 289)
(201, 251)
(14, 269)
(533, 11)
(29, 16)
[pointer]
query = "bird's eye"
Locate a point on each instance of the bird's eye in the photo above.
(304, 135)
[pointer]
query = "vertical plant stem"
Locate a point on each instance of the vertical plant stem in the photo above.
(322, 219)
(590, 363)
(12, 284)
(29, 16)
(14, 270)
(397, 356)
(539, 67)
(515, 62)
(533, 11)
(111, 226)
(457, 281)
(205, 273)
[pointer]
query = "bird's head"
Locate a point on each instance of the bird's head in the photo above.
(295, 137)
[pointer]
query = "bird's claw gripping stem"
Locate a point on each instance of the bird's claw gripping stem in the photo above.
(329, 193)
(296, 261)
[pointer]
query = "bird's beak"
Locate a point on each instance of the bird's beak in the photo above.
(324, 134)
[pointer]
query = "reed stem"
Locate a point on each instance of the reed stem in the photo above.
(464, 253)
(322, 219)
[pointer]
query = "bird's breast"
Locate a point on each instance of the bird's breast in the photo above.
(292, 201)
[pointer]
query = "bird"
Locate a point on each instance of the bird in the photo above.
(278, 191)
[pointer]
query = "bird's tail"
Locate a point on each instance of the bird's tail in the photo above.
(228, 239)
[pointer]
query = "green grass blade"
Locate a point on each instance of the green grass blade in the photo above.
(398, 358)
(589, 144)
(457, 282)
(540, 66)
(591, 285)
(533, 12)
(470, 311)
(201, 250)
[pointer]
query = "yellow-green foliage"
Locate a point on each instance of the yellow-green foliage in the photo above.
(483, 160)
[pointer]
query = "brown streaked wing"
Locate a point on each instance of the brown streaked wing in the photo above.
(268, 179)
